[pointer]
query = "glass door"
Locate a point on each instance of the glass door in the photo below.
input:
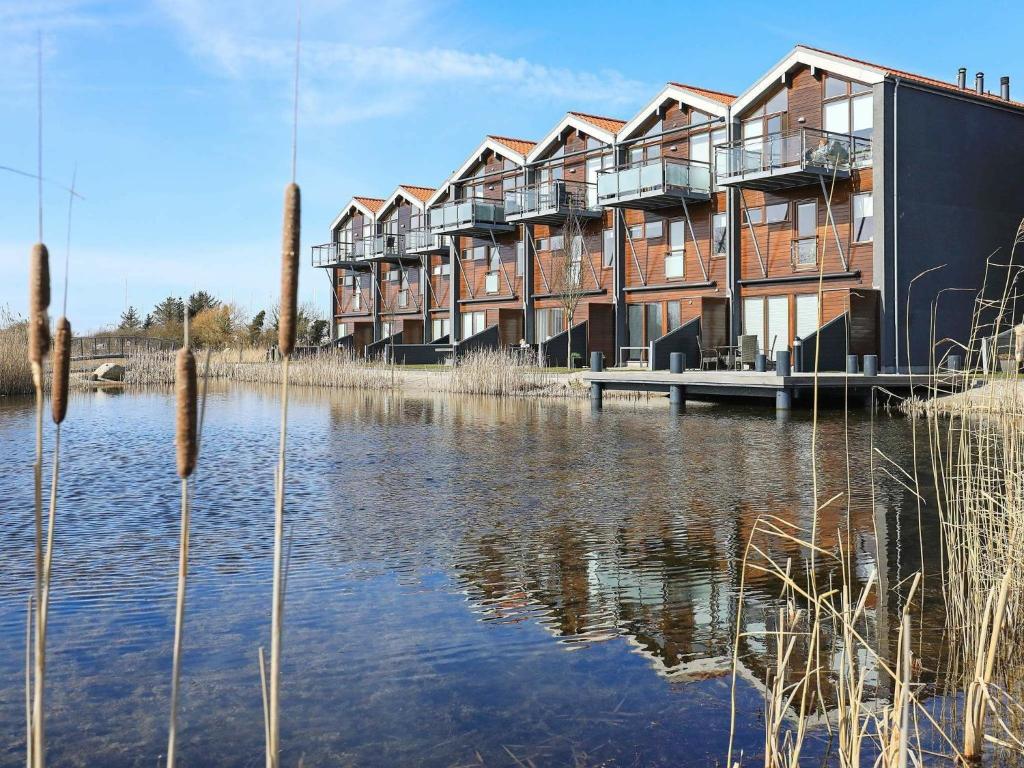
(777, 336)
(806, 315)
(635, 318)
(753, 319)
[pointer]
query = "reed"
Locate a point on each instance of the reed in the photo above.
(15, 368)
(186, 442)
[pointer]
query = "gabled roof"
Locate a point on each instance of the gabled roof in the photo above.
(415, 195)
(601, 128)
(854, 69)
(514, 149)
(368, 206)
(714, 103)
(519, 146)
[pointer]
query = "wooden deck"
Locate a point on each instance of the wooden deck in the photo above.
(718, 385)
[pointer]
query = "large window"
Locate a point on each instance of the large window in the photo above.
(675, 259)
(674, 315)
(847, 107)
(439, 327)
(493, 268)
(806, 314)
(473, 323)
(719, 234)
(653, 321)
(655, 229)
(805, 244)
(700, 148)
(548, 323)
(863, 218)
(608, 248)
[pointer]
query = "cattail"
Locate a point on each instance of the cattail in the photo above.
(289, 269)
(38, 302)
(61, 369)
(185, 386)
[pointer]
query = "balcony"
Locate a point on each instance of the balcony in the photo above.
(654, 184)
(349, 255)
(422, 242)
(551, 202)
(472, 217)
(789, 160)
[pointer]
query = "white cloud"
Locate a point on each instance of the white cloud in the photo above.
(357, 65)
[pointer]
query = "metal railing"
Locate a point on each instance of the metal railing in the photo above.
(551, 197)
(386, 244)
(328, 254)
(98, 347)
(661, 176)
(803, 252)
(802, 148)
(417, 240)
(468, 212)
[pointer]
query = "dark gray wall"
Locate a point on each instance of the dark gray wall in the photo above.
(956, 198)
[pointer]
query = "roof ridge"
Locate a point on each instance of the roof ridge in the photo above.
(591, 114)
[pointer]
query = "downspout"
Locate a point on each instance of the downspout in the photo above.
(896, 222)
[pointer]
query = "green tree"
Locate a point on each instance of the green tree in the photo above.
(317, 332)
(201, 300)
(130, 320)
(169, 312)
(147, 323)
(255, 327)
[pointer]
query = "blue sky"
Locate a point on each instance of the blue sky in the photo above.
(177, 113)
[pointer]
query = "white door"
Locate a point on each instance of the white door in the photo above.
(777, 338)
(806, 315)
(753, 319)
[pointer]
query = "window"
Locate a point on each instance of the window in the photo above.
(442, 269)
(636, 155)
(542, 244)
(654, 151)
(805, 246)
(674, 315)
(863, 218)
(754, 215)
(848, 107)
(655, 229)
(556, 242)
(394, 275)
(776, 212)
(493, 268)
(806, 315)
(439, 327)
(777, 103)
(608, 248)
(837, 116)
(719, 234)
(834, 87)
(675, 260)
(636, 232)
(700, 148)
(520, 258)
(341, 330)
(548, 323)
(473, 323)
(480, 253)
(403, 297)
(861, 115)
(357, 300)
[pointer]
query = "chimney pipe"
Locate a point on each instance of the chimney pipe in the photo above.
(1004, 88)
(961, 78)
(979, 82)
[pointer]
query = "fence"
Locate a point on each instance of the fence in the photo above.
(93, 347)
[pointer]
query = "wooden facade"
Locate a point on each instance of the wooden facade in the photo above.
(789, 238)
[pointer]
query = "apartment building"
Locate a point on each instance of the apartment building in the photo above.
(833, 199)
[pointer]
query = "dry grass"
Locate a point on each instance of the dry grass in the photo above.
(337, 369)
(15, 371)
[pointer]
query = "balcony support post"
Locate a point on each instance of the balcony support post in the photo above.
(827, 195)
(454, 289)
(529, 255)
(619, 284)
(632, 250)
(425, 294)
(501, 264)
(377, 300)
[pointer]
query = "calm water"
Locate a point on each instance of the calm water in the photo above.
(472, 582)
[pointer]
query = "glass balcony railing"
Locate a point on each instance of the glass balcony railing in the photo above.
(663, 176)
(329, 254)
(551, 198)
(465, 215)
(425, 241)
(800, 150)
(386, 245)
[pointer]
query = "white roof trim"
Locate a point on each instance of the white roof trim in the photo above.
(675, 93)
(864, 73)
(353, 203)
(405, 194)
(488, 143)
(569, 121)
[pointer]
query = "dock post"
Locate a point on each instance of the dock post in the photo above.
(596, 393)
(798, 354)
(676, 364)
(760, 362)
(851, 364)
(870, 365)
(596, 362)
(783, 400)
(782, 363)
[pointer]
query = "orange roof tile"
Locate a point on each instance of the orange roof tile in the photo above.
(609, 124)
(889, 71)
(519, 146)
(373, 203)
(422, 193)
(719, 96)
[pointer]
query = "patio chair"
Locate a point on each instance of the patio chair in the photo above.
(748, 350)
(708, 355)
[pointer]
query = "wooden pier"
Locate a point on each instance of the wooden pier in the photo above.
(783, 389)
